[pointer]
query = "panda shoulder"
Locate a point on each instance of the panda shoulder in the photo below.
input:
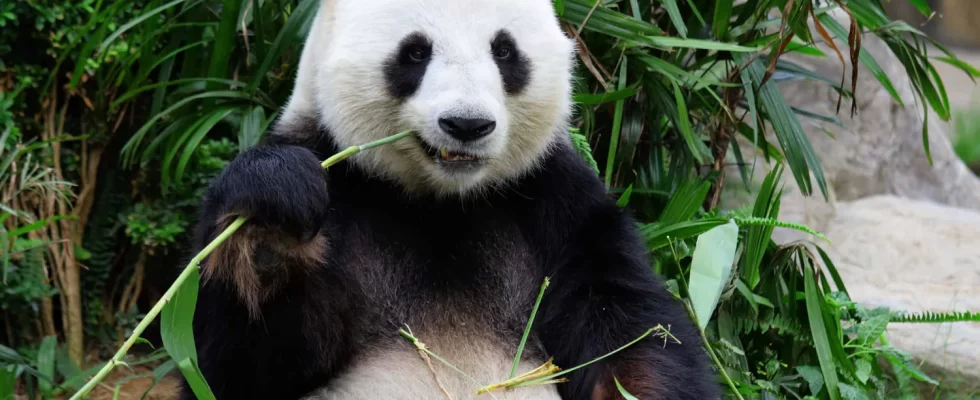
(303, 132)
(567, 173)
(566, 186)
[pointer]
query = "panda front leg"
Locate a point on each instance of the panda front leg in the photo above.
(266, 325)
(606, 296)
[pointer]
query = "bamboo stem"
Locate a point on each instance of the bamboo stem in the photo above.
(711, 353)
(658, 331)
(527, 329)
(195, 262)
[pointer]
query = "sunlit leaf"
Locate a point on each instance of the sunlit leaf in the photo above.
(177, 333)
(711, 266)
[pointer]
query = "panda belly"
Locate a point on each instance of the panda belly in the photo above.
(397, 371)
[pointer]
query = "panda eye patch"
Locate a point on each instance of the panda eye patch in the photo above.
(405, 68)
(515, 68)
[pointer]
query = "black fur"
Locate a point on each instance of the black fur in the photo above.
(295, 198)
(440, 261)
(515, 67)
(405, 68)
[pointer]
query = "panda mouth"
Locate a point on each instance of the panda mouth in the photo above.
(447, 157)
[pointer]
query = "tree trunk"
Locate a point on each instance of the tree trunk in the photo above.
(47, 317)
(64, 236)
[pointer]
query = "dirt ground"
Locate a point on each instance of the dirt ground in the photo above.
(166, 389)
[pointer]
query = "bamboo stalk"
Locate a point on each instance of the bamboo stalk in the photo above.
(527, 329)
(195, 262)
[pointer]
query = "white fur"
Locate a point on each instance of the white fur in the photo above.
(341, 82)
(398, 372)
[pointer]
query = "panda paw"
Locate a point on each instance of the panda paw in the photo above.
(277, 186)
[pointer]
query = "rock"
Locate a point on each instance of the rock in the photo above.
(880, 150)
(913, 256)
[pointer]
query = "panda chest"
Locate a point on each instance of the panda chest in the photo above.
(465, 294)
(477, 268)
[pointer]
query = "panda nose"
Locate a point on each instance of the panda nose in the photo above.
(467, 129)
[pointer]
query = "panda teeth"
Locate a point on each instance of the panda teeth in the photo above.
(446, 155)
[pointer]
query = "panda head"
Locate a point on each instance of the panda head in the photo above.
(485, 83)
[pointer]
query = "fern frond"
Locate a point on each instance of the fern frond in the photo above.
(584, 150)
(750, 221)
(784, 325)
(935, 318)
(744, 325)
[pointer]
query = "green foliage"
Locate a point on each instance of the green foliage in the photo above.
(103, 234)
(204, 75)
(163, 222)
(934, 317)
(966, 140)
(176, 329)
(23, 279)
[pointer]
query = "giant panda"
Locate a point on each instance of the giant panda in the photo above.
(447, 234)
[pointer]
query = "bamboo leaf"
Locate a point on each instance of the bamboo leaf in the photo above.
(672, 42)
(792, 139)
(136, 21)
(907, 364)
(8, 381)
(922, 6)
(685, 202)
(135, 92)
(723, 14)
(298, 20)
(616, 128)
(819, 332)
(177, 333)
(45, 362)
(622, 391)
(130, 147)
(608, 97)
(970, 70)
(758, 236)
(813, 377)
(684, 125)
(253, 128)
(657, 237)
(224, 39)
(624, 199)
(195, 379)
(207, 123)
(711, 266)
(832, 269)
(675, 17)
